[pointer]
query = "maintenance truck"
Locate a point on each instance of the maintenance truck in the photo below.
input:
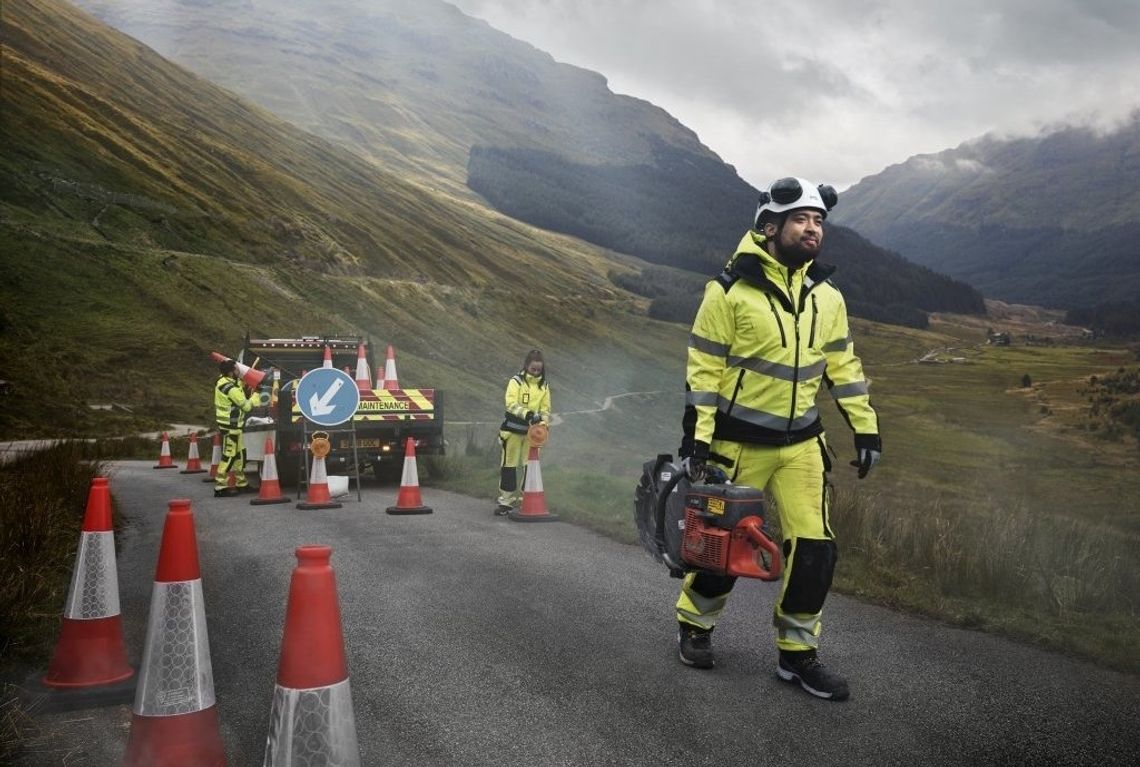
(381, 425)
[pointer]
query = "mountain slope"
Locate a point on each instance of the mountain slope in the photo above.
(147, 217)
(420, 88)
(1051, 220)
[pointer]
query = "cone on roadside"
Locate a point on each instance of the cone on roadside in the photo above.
(251, 377)
(327, 363)
(91, 651)
(533, 506)
(391, 383)
(312, 721)
(193, 460)
(270, 489)
(408, 501)
(317, 494)
(164, 459)
(215, 458)
(174, 719)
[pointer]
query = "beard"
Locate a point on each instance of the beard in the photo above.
(795, 254)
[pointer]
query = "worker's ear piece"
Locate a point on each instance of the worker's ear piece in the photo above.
(829, 196)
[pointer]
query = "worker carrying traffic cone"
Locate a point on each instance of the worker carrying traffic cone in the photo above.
(175, 718)
(91, 651)
(527, 404)
(408, 501)
(312, 721)
(231, 406)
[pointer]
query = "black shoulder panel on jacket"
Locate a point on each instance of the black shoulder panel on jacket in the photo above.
(727, 279)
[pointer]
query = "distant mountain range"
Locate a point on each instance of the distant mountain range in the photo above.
(427, 92)
(1051, 220)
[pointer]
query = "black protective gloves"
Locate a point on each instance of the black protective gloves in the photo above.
(868, 450)
(694, 463)
(533, 417)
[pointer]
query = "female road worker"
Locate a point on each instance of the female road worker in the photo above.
(527, 402)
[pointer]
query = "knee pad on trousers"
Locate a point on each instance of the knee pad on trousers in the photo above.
(809, 577)
(507, 479)
(711, 585)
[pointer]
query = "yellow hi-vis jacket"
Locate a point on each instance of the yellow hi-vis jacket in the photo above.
(230, 403)
(526, 393)
(763, 341)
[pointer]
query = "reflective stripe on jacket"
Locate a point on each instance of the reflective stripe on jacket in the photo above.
(763, 341)
(525, 393)
(230, 403)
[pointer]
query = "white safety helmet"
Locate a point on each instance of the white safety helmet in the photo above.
(792, 193)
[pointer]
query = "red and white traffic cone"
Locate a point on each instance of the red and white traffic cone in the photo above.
(91, 650)
(533, 507)
(175, 719)
(215, 458)
(363, 379)
(251, 377)
(328, 358)
(193, 460)
(408, 500)
(270, 489)
(312, 721)
(390, 381)
(164, 459)
(317, 494)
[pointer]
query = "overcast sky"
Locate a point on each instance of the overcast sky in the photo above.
(835, 90)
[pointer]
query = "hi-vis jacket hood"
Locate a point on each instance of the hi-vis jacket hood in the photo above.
(764, 339)
(526, 393)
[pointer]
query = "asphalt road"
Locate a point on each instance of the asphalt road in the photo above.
(474, 640)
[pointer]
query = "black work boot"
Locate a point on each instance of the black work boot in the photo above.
(694, 646)
(804, 667)
(502, 510)
(226, 492)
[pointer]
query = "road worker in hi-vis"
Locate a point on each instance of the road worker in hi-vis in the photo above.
(770, 329)
(231, 406)
(527, 404)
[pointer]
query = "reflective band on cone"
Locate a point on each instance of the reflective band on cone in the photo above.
(317, 493)
(533, 507)
(175, 720)
(193, 460)
(408, 501)
(215, 459)
(312, 720)
(91, 651)
(164, 459)
(270, 489)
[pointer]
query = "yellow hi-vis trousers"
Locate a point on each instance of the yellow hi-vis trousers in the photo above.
(512, 466)
(233, 459)
(795, 479)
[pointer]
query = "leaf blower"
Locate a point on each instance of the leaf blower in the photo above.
(716, 527)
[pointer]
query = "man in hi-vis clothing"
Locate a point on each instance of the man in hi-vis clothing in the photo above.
(231, 407)
(770, 330)
(527, 402)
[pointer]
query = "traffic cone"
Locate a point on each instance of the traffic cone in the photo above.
(91, 650)
(328, 358)
(251, 377)
(311, 721)
(390, 381)
(275, 394)
(363, 379)
(270, 489)
(175, 719)
(215, 458)
(193, 461)
(408, 501)
(164, 459)
(317, 493)
(533, 507)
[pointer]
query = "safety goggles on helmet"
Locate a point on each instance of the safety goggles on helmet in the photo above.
(791, 193)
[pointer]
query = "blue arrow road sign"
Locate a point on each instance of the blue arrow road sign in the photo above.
(327, 396)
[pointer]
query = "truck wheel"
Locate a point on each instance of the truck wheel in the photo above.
(288, 470)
